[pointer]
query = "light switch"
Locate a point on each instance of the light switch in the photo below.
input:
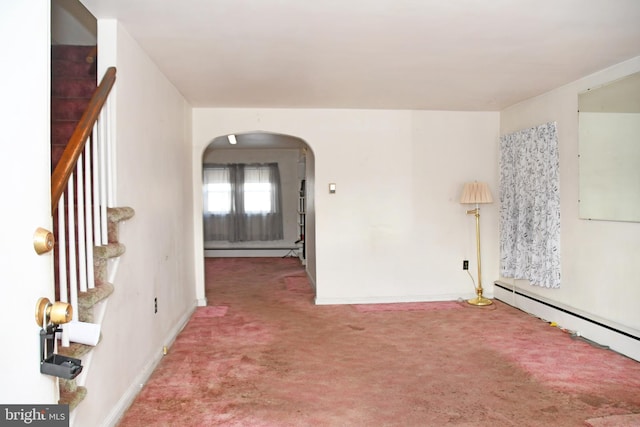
(332, 188)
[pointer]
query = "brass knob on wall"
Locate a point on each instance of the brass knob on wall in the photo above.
(56, 313)
(43, 241)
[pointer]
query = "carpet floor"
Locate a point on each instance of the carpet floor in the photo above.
(262, 354)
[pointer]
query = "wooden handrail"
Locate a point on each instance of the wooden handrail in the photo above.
(83, 130)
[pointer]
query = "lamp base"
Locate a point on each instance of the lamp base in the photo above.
(480, 301)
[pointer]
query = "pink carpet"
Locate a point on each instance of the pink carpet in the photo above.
(297, 283)
(210, 311)
(276, 359)
(409, 306)
(632, 420)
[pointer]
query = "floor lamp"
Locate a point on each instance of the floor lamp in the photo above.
(476, 193)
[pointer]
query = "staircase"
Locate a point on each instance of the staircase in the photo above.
(73, 81)
(73, 84)
(70, 393)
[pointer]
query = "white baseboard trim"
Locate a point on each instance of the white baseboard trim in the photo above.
(313, 282)
(119, 409)
(393, 299)
(619, 338)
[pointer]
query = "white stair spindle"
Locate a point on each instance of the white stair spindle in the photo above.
(109, 153)
(73, 276)
(82, 240)
(88, 213)
(103, 181)
(97, 235)
(62, 262)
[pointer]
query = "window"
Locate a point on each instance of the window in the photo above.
(217, 190)
(257, 189)
(242, 202)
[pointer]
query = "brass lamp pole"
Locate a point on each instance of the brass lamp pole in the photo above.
(477, 192)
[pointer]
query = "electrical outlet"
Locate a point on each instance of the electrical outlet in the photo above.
(155, 305)
(465, 264)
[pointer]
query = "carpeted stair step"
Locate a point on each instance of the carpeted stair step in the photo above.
(68, 108)
(110, 250)
(101, 256)
(86, 300)
(71, 395)
(70, 392)
(73, 87)
(115, 216)
(61, 131)
(75, 350)
(73, 82)
(76, 53)
(67, 68)
(67, 385)
(56, 154)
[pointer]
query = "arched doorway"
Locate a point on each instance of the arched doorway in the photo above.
(296, 163)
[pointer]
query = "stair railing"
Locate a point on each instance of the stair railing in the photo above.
(80, 195)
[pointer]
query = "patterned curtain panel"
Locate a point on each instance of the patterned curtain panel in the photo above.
(530, 206)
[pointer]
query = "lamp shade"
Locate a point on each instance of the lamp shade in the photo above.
(476, 192)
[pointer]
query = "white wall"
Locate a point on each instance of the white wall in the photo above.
(310, 216)
(394, 230)
(26, 192)
(599, 258)
(153, 165)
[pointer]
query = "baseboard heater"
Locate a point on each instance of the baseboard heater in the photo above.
(252, 251)
(589, 327)
(579, 316)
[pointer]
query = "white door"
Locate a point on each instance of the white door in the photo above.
(25, 194)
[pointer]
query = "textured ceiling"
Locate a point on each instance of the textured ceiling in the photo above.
(390, 54)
